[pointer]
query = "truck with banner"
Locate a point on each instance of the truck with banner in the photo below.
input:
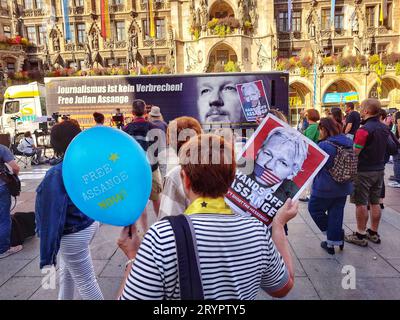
(23, 108)
(223, 100)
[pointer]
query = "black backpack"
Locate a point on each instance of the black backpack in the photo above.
(12, 181)
(22, 227)
(190, 284)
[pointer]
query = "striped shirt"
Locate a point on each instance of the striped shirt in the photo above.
(237, 256)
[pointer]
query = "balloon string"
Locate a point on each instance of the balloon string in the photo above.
(130, 231)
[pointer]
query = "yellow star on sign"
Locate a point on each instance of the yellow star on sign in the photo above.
(113, 157)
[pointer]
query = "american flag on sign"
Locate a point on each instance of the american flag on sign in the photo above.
(266, 175)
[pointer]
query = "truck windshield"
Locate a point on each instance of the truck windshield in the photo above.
(11, 107)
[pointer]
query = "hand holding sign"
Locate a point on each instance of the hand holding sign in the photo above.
(107, 176)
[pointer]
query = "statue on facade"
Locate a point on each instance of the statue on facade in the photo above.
(132, 49)
(192, 14)
(88, 62)
(355, 25)
(95, 41)
(190, 58)
(197, 20)
(262, 55)
(204, 14)
(56, 43)
(241, 13)
(253, 11)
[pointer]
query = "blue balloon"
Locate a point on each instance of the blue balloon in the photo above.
(107, 175)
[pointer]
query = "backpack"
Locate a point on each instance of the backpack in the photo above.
(12, 181)
(22, 227)
(344, 165)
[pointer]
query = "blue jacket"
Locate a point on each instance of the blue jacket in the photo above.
(324, 186)
(55, 215)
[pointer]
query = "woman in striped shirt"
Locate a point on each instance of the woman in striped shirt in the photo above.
(237, 255)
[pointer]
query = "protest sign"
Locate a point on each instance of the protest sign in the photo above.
(253, 99)
(282, 163)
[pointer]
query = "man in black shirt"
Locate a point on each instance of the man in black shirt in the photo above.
(139, 129)
(352, 120)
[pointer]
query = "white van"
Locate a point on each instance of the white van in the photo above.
(23, 108)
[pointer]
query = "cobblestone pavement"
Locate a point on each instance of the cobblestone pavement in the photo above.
(318, 275)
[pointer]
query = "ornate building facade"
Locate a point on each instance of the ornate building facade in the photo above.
(12, 53)
(343, 56)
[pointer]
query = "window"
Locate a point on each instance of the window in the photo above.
(339, 17)
(81, 64)
(370, 16)
(326, 19)
(296, 21)
(283, 53)
(120, 30)
(146, 31)
(328, 51)
(148, 60)
(389, 16)
(109, 62)
(31, 33)
(296, 52)
(39, 4)
(72, 32)
(11, 66)
(81, 32)
(11, 107)
(79, 3)
(160, 28)
(338, 50)
(162, 60)
(282, 21)
(42, 34)
(4, 4)
(118, 2)
(7, 31)
(382, 47)
(28, 4)
(121, 62)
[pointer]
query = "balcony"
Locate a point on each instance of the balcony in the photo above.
(371, 31)
(76, 10)
(39, 12)
(69, 47)
(80, 47)
(382, 30)
(117, 8)
(339, 33)
(157, 5)
(149, 43)
(109, 44)
(31, 13)
(120, 44)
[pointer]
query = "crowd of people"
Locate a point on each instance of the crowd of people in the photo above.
(235, 255)
(374, 141)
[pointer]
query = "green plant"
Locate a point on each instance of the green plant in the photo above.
(212, 23)
(327, 61)
(374, 59)
(340, 68)
(397, 68)
(304, 72)
(231, 66)
(144, 71)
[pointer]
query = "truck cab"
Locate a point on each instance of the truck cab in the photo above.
(22, 108)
